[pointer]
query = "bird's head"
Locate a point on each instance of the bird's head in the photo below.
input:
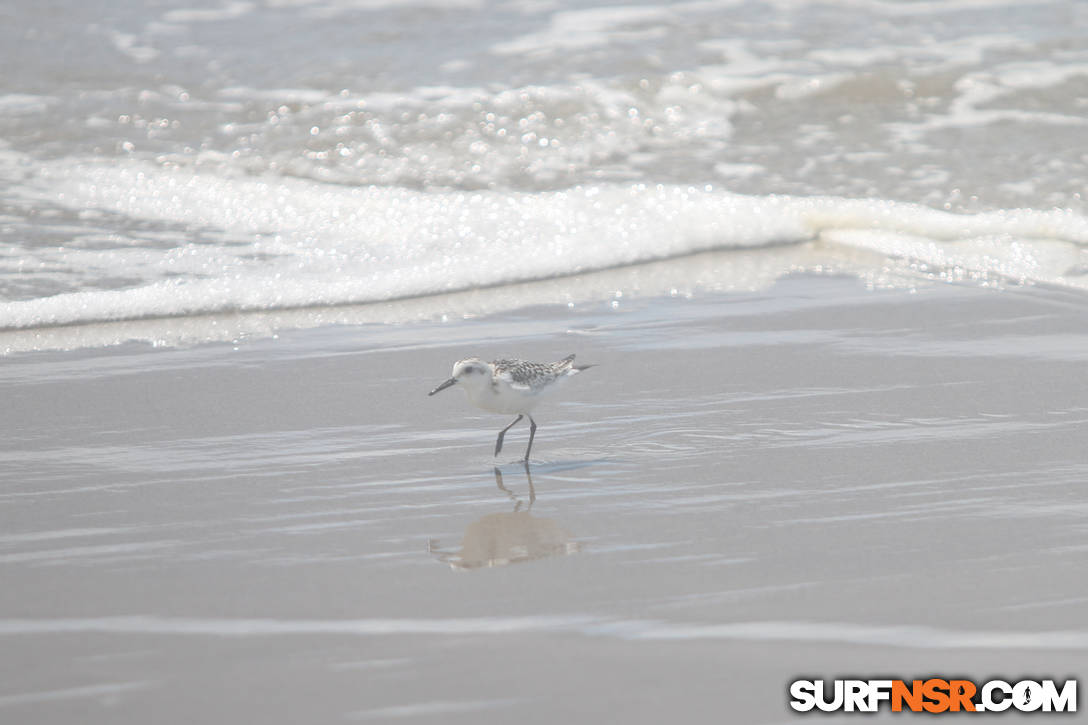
(471, 372)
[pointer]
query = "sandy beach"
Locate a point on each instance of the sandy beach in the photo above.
(829, 261)
(817, 479)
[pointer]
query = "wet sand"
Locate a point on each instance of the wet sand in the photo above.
(815, 480)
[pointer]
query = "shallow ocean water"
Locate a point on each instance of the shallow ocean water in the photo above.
(187, 158)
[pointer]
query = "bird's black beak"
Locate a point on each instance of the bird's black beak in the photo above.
(443, 386)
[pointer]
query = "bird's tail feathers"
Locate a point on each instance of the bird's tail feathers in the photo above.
(568, 363)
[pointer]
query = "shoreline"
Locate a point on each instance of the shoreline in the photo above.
(702, 274)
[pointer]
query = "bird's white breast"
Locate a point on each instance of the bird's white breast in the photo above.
(501, 397)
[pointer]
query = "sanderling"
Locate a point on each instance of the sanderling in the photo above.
(509, 386)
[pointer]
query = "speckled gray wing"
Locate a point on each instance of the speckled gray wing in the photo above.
(529, 374)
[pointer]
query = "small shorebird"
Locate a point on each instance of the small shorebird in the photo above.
(509, 386)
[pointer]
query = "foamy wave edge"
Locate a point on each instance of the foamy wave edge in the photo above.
(332, 245)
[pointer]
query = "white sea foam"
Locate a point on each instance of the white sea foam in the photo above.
(511, 152)
(274, 244)
(129, 44)
(977, 94)
(25, 103)
(590, 27)
(208, 15)
(282, 243)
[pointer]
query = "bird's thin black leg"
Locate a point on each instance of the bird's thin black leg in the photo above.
(532, 432)
(498, 443)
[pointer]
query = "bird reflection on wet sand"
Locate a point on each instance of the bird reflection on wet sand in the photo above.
(508, 538)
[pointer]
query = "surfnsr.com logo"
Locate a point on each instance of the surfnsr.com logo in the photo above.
(933, 695)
